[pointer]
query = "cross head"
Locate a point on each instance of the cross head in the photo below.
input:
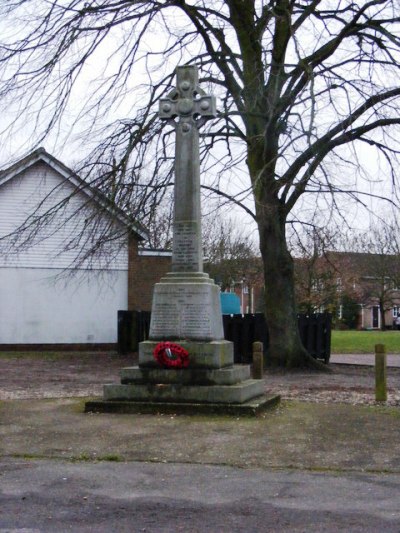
(188, 102)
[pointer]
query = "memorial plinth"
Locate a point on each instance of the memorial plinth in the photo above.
(186, 305)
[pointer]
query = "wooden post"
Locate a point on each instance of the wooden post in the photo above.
(258, 360)
(380, 373)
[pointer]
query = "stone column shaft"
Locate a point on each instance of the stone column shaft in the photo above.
(187, 254)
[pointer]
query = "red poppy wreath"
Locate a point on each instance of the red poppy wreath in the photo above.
(171, 355)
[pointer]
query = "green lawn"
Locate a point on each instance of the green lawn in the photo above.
(364, 341)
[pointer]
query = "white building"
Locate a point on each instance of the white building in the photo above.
(43, 298)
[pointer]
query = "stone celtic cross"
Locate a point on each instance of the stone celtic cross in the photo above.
(186, 305)
(187, 107)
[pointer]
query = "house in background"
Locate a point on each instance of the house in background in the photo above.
(53, 292)
(241, 276)
(362, 289)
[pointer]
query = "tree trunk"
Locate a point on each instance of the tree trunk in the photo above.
(382, 312)
(285, 347)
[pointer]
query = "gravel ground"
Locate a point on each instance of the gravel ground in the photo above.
(83, 375)
(346, 384)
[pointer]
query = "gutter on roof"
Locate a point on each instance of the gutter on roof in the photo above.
(40, 154)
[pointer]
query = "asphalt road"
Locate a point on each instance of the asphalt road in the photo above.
(50, 496)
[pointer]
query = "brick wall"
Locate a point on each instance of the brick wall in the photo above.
(143, 272)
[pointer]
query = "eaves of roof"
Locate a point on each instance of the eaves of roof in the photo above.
(40, 154)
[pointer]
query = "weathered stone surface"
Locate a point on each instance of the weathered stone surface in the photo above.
(254, 407)
(223, 376)
(214, 354)
(186, 307)
(186, 303)
(191, 107)
(173, 392)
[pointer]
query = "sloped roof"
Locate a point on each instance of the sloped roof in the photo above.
(40, 155)
(362, 264)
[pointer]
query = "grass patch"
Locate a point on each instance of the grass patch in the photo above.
(92, 457)
(388, 410)
(27, 456)
(81, 458)
(79, 405)
(364, 341)
(110, 457)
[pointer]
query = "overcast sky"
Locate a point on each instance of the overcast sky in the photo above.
(67, 142)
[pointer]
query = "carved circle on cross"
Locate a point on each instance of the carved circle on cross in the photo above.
(167, 107)
(185, 106)
(185, 85)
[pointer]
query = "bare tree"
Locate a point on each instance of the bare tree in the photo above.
(380, 279)
(230, 254)
(303, 86)
(315, 276)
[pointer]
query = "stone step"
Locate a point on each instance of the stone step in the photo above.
(171, 392)
(187, 376)
(254, 407)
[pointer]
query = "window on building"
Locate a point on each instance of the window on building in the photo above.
(317, 285)
(396, 311)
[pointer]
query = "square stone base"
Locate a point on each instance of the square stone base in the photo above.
(214, 354)
(210, 384)
(186, 305)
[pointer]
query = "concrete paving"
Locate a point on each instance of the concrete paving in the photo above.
(48, 496)
(393, 360)
(303, 466)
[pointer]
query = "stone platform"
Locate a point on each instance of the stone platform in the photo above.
(232, 384)
(253, 407)
(211, 384)
(178, 392)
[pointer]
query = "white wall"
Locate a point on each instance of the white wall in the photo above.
(35, 308)
(38, 190)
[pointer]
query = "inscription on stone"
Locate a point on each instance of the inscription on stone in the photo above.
(185, 251)
(195, 317)
(166, 314)
(182, 313)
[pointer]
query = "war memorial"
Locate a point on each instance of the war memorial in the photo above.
(186, 365)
